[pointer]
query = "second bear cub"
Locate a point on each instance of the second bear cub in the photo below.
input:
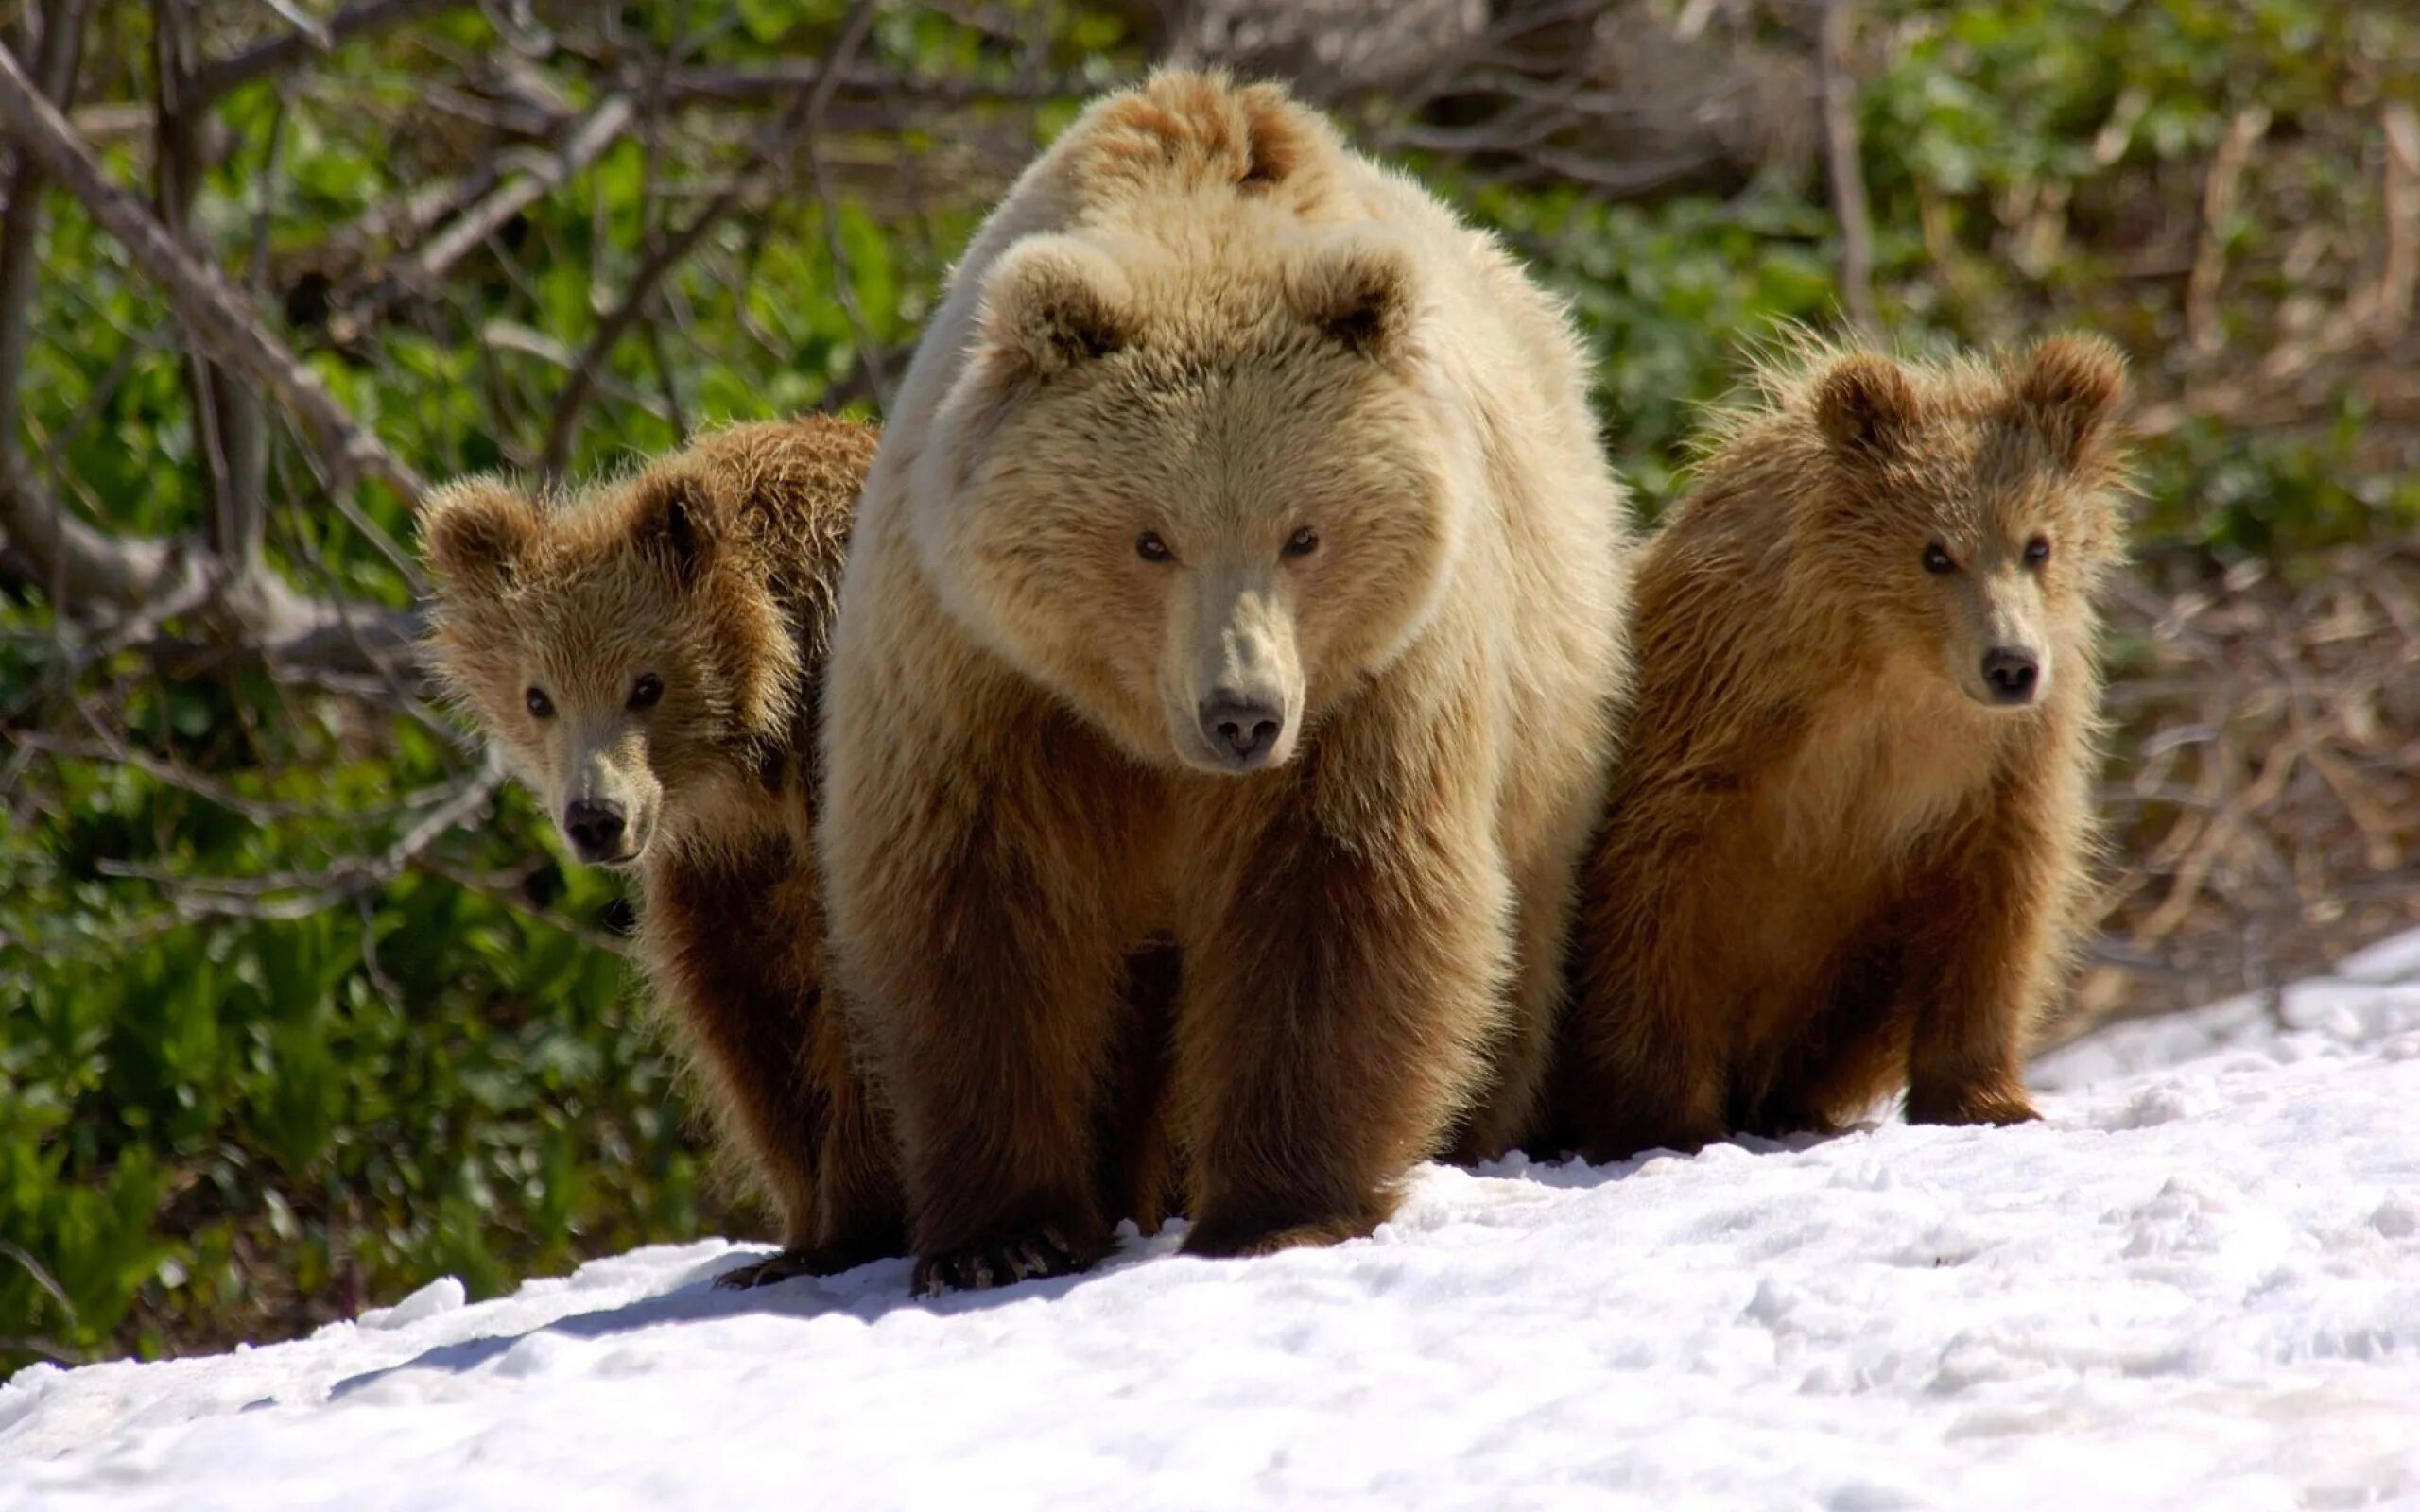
(1845, 844)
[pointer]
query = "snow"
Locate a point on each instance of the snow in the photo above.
(2196, 1285)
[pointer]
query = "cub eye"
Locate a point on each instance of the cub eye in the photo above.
(1302, 543)
(2037, 551)
(1151, 548)
(541, 707)
(645, 692)
(1937, 560)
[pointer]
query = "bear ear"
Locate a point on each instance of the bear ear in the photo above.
(2070, 389)
(476, 532)
(1052, 302)
(1361, 296)
(1866, 406)
(677, 522)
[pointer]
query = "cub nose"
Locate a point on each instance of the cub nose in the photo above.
(2011, 673)
(1242, 728)
(594, 826)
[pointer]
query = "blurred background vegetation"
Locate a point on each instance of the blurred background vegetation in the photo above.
(300, 1007)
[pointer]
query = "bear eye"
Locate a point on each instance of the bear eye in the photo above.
(541, 707)
(2037, 551)
(1302, 543)
(1151, 548)
(645, 692)
(1937, 560)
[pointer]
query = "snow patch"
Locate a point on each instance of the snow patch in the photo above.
(2195, 1284)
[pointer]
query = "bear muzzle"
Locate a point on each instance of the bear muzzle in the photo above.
(1244, 730)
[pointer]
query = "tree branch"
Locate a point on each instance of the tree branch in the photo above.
(354, 22)
(1843, 163)
(803, 113)
(541, 175)
(220, 318)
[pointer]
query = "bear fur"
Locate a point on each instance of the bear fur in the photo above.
(1241, 562)
(647, 655)
(1846, 843)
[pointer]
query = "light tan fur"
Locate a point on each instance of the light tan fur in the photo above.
(1832, 864)
(1380, 535)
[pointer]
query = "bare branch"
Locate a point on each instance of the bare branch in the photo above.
(803, 115)
(299, 895)
(2218, 208)
(21, 236)
(541, 174)
(221, 318)
(83, 565)
(355, 21)
(1844, 165)
(2400, 267)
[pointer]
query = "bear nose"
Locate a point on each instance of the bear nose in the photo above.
(2011, 673)
(1242, 728)
(594, 826)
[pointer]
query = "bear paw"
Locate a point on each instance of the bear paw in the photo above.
(808, 1260)
(1238, 1239)
(1684, 1137)
(1034, 1254)
(1967, 1105)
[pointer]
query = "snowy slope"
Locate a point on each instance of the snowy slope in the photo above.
(2197, 1285)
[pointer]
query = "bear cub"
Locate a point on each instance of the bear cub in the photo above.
(648, 654)
(1846, 845)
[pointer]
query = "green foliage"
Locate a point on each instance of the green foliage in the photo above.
(222, 1124)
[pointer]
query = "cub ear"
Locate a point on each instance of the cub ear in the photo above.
(476, 532)
(1054, 301)
(677, 522)
(1866, 406)
(1362, 295)
(2070, 389)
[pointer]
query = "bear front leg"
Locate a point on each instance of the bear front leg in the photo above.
(1514, 1110)
(1336, 1006)
(981, 958)
(861, 1210)
(1985, 930)
(733, 952)
(1646, 1049)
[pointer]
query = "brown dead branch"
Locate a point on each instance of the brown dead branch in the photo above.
(535, 175)
(1842, 157)
(354, 22)
(2219, 194)
(803, 118)
(219, 317)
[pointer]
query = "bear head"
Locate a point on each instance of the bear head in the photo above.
(1202, 484)
(1972, 510)
(622, 646)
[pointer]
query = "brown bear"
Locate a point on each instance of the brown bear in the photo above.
(1241, 562)
(1845, 841)
(647, 655)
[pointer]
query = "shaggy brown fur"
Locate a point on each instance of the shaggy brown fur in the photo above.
(1840, 856)
(1241, 564)
(649, 654)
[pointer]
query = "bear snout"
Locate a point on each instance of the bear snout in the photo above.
(596, 827)
(1242, 727)
(2013, 674)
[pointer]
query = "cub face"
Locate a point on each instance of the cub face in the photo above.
(1977, 520)
(615, 646)
(1200, 511)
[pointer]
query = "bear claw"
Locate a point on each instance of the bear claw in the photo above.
(1035, 1254)
(810, 1260)
(1983, 1107)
